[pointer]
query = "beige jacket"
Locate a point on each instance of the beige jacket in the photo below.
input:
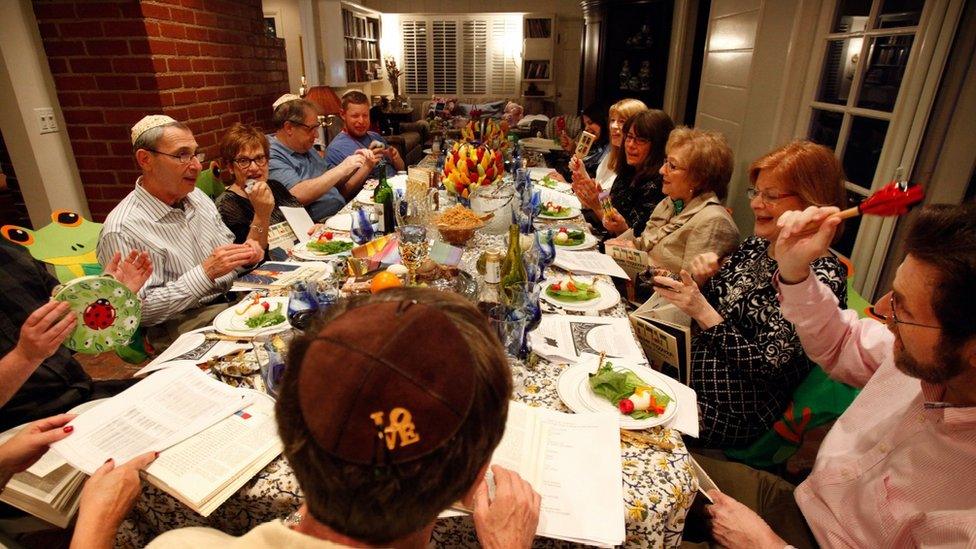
(704, 225)
(269, 535)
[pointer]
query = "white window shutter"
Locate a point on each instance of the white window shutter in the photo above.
(506, 56)
(445, 57)
(415, 57)
(474, 69)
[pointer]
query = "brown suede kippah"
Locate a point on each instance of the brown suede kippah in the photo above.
(387, 382)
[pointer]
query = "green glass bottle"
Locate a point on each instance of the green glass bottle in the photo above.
(513, 270)
(383, 195)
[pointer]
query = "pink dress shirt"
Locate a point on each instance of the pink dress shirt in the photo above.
(898, 469)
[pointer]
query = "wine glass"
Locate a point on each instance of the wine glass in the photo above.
(523, 302)
(414, 248)
(546, 249)
(362, 229)
(302, 305)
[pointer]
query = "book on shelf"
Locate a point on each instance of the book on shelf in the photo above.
(573, 462)
(202, 470)
(664, 331)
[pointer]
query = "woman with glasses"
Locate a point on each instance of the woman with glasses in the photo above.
(692, 220)
(746, 358)
(248, 213)
(588, 187)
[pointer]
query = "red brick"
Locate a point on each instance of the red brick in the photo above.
(166, 99)
(179, 65)
(90, 65)
(107, 47)
(79, 30)
(139, 47)
(49, 10)
(181, 15)
(193, 80)
(169, 81)
(140, 99)
(203, 65)
(120, 148)
(198, 110)
(206, 19)
(220, 107)
(152, 29)
(184, 97)
(154, 11)
(57, 65)
(98, 10)
(123, 117)
(228, 120)
(187, 49)
(158, 64)
(179, 113)
(172, 30)
(117, 82)
(195, 4)
(161, 46)
(96, 178)
(58, 47)
(107, 132)
(67, 83)
(214, 80)
(100, 99)
(207, 94)
(207, 140)
(197, 33)
(79, 116)
(131, 64)
(124, 28)
(115, 192)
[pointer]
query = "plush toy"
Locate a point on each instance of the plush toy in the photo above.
(68, 243)
(513, 113)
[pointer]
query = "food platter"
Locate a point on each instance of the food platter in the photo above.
(230, 322)
(609, 296)
(573, 387)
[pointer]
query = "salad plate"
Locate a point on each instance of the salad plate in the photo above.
(314, 250)
(580, 293)
(249, 318)
(550, 210)
(575, 238)
(556, 185)
(576, 392)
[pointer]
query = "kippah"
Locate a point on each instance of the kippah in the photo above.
(284, 99)
(386, 383)
(149, 122)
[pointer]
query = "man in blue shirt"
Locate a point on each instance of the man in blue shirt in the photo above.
(355, 135)
(303, 171)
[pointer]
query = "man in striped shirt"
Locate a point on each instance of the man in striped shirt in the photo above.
(896, 470)
(193, 253)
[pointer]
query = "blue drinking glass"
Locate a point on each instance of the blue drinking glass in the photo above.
(362, 229)
(302, 306)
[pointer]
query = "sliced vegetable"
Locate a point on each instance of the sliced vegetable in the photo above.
(628, 392)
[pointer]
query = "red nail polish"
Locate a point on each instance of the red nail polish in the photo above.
(157, 454)
(69, 428)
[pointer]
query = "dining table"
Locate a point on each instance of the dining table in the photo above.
(659, 484)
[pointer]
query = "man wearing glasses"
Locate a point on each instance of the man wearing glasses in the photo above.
(896, 470)
(193, 253)
(302, 170)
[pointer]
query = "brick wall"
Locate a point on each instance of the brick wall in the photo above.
(206, 63)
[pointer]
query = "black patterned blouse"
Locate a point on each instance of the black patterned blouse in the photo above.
(237, 211)
(635, 198)
(746, 368)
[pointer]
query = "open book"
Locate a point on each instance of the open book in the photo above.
(664, 332)
(274, 274)
(573, 462)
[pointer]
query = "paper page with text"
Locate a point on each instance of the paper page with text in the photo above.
(167, 407)
(589, 262)
(568, 337)
(299, 220)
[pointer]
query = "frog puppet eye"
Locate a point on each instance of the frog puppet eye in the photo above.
(67, 218)
(17, 234)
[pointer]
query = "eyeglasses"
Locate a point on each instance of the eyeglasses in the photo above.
(765, 197)
(311, 128)
(671, 166)
(893, 317)
(638, 140)
(244, 162)
(184, 157)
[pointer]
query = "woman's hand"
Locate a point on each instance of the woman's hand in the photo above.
(797, 246)
(133, 272)
(686, 296)
(107, 498)
(556, 176)
(620, 243)
(261, 199)
(587, 191)
(30, 443)
(567, 142)
(44, 331)
(614, 222)
(703, 267)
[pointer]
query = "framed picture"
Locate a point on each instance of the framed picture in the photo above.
(272, 24)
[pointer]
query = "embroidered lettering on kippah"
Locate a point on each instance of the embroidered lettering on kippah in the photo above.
(401, 426)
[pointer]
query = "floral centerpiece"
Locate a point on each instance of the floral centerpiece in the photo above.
(468, 167)
(393, 74)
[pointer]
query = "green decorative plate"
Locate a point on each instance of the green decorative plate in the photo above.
(108, 313)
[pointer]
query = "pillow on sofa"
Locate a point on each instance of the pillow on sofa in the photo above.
(442, 107)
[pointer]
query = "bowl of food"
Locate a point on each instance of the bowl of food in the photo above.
(458, 224)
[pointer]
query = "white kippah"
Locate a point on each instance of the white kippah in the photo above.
(148, 123)
(284, 99)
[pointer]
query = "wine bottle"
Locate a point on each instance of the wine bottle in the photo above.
(383, 195)
(513, 270)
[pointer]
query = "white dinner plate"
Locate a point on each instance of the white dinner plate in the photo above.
(228, 322)
(301, 251)
(558, 186)
(589, 240)
(540, 143)
(573, 387)
(573, 212)
(609, 296)
(340, 222)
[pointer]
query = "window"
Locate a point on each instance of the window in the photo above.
(471, 55)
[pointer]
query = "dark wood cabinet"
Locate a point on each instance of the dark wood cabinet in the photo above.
(626, 44)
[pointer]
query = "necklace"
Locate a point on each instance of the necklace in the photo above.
(293, 520)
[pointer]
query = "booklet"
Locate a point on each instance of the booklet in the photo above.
(588, 262)
(567, 338)
(160, 411)
(573, 462)
(664, 332)
(278, 274)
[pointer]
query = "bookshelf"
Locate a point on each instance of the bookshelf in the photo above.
(361, 40)
(538, 47)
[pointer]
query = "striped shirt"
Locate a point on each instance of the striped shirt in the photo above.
(896, 470)
(178, 241)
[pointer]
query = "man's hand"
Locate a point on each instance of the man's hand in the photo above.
(363, 157)
(44, 331)
(228, 257)
(614, 222)
(261, 199)
(797, 247)
(512, 518)
(734, 525)
(30, 443)
(107, 498)
(391, 153)
(703, 267)
(686, 296)
(133, 272)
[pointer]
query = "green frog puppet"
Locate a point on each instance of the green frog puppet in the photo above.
(68, 243)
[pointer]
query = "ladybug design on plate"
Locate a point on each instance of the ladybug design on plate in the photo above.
(99, 315)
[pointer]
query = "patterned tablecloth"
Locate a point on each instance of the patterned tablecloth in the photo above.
(659, 485)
